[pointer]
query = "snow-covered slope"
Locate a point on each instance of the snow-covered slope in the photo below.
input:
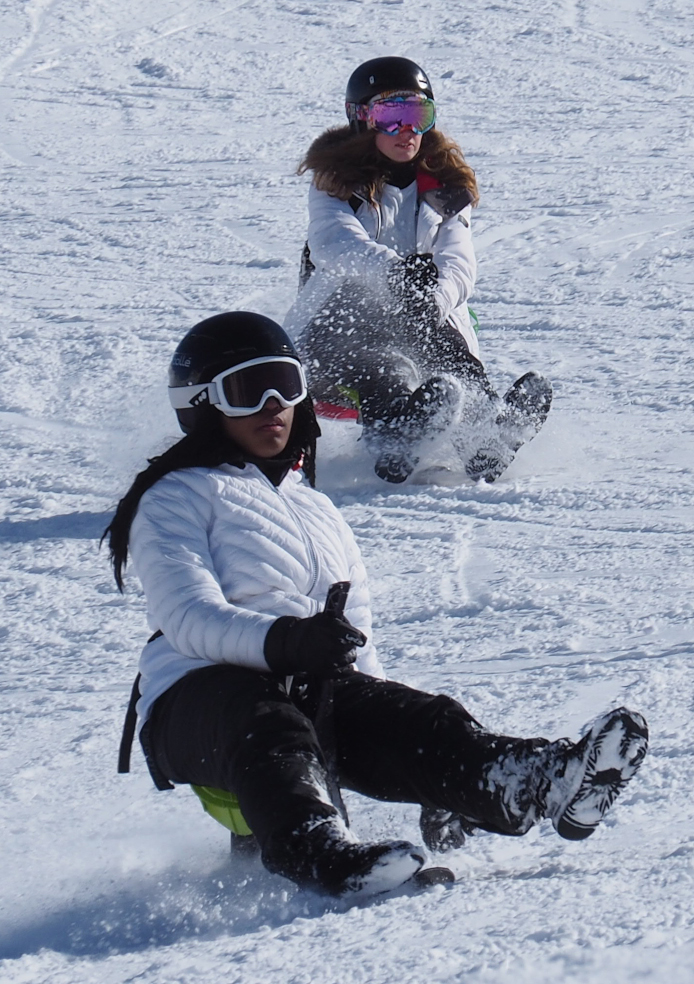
(148, 181)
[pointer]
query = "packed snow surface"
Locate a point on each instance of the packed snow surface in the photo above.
(148, 180)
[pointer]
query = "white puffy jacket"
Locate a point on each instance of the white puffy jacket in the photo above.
(363, 245)
(221, 553)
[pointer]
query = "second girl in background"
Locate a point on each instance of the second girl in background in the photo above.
(382, 317)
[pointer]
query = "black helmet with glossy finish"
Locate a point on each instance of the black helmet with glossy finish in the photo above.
(387, 74)
(219, 343)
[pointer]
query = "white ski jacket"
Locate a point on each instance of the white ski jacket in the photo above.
(362, 245)
(221, 553)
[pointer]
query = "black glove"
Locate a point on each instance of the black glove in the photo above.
(414, 276)
(322, 645)
(413, 282)
(421, 273)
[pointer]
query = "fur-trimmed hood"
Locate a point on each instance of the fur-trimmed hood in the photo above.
(345, 163)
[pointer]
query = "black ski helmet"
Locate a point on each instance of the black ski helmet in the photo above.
(219, 343)
(387, 74)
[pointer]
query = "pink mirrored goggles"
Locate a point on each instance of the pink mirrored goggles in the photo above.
(397, 111)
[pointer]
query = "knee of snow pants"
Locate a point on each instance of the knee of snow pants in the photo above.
(352, 344)
(447, 351)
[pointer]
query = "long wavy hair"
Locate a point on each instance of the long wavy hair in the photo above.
(206, 446)
(345, 163)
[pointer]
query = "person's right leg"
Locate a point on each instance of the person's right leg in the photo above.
(238, 730)
(357, 345)
(349, 346)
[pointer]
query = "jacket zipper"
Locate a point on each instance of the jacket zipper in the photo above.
(416, 223)
(377, 209)
(312, 556)
(313, 559)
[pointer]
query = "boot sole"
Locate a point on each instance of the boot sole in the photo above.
(531, 395)
(613, 752)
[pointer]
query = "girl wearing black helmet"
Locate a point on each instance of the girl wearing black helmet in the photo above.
(382, 315)
(248, 686)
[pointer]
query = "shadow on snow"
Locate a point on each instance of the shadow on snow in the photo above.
(167, 909)
(73, 526)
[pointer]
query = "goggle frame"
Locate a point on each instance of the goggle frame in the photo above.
(396, 101)
(199, 394)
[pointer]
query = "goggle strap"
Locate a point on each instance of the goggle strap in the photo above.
(188, 397)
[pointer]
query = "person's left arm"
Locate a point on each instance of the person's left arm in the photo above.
(454, 256)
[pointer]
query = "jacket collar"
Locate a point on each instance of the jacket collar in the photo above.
(446, 201)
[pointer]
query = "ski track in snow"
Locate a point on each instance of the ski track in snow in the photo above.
(147, 182)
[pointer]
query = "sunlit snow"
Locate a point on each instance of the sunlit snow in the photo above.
(148, 180)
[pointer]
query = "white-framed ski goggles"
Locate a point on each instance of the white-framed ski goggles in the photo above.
(244, 389)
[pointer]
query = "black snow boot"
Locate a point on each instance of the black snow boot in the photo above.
(525, 408)
(490, 460)
(429, 411)
(514, 421)
(323, 855)
(595, 772)
(572, 784)
(395, 466)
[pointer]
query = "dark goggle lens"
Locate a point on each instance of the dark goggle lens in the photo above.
(246, 387)
(393, 115)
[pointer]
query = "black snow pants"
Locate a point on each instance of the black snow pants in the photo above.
(239, 730)
(357, 343)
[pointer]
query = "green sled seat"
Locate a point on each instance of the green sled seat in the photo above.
(224, 808)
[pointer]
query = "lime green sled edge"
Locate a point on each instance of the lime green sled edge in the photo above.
(224, 808)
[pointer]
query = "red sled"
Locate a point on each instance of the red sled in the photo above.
(331, 411)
